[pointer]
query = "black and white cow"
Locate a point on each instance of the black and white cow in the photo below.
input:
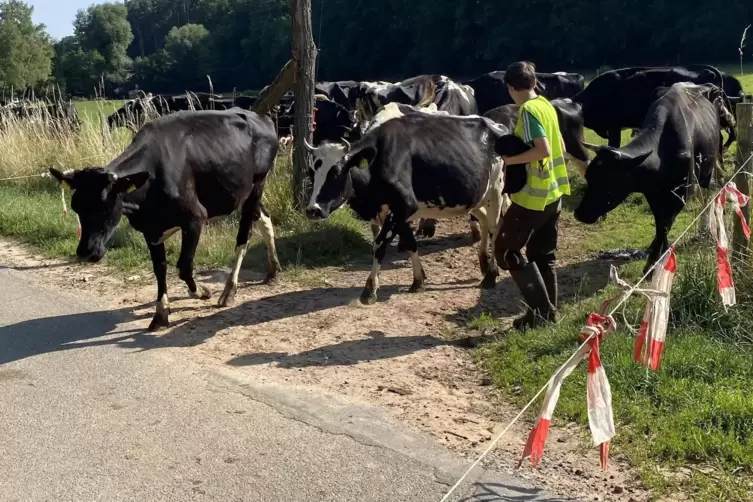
(680, 135)
(490, 89)
(421, 91)
(328, 153)
(620, 99)
(178, 172)
(570, 117)
(420, 165)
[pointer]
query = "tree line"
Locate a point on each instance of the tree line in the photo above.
(173, 45)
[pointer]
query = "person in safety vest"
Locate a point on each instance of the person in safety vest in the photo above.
(532, 220)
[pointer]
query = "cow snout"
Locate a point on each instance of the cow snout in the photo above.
(314, 212)
(92, 255)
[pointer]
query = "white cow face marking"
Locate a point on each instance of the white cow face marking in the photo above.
(325, 157)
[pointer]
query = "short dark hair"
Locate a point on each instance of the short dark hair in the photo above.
(521, 75)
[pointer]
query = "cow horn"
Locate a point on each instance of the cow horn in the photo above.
(308, 146)
(593, 148)
(112, 177)
(347, 145)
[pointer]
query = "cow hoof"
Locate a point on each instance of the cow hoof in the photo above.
(368, 297)
(475, 234)
(417, 287)
(489, 281)
(426, 231)
(227, 299)
(159, 321)
(201, 293)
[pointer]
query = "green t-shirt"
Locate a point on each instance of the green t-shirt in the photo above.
(532, 128)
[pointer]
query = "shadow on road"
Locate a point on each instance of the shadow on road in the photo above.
(64, 332)
(488, 492)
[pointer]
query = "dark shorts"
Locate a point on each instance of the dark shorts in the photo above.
(524, 228)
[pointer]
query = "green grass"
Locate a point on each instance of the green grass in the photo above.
(687, 427)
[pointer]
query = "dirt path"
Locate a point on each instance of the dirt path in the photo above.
(408, 354)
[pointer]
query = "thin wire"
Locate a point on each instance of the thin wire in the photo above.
(13, 178)
(625, 297)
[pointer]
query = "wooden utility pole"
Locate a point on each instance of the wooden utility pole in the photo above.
(744, 113)
(304, 57)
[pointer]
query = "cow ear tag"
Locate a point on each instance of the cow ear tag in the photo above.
(66, 185)
(363, 164)
(131, 188)
(346, 135)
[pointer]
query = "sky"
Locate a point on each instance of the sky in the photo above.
(58, 15)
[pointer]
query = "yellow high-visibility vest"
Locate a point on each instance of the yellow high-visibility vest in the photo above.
(547, 179)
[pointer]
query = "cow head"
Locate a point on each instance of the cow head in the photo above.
(98, 200)
(328, 177)
(611, 177)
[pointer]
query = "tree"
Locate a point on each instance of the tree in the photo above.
(104, 29)
(189, 52)
(25, 48)
(77, 71)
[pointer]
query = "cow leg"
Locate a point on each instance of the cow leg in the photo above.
(189, 242)
(497, 206)
(383, 240)
(375, 228)
(159, 264)
(475, 229)
(250, 213)
(426, 227)
(484, 258)
(264, 226)
(660, 243)
(408, 243)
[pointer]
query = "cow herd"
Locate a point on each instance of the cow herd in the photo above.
(62, 115)
(426, 148)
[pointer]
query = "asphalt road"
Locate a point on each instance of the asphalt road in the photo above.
(86, 416)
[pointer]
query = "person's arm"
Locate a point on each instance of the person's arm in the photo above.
(533, 132)
(541, 150)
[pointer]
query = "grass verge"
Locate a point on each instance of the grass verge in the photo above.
(687, 427)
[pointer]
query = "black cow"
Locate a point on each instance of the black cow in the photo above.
(419, 165)
(490, 89)
(717, 96)
(681, 133)
(135, 112)
(423, 90)
(344, 92)
(333, 122)
(620, 99)
(179, 171)
(570, 117)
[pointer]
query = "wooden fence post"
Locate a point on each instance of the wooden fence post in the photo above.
(304, 56)
(742, 180)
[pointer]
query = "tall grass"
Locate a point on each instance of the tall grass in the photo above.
(30, 209)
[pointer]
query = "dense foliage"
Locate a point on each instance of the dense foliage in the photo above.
(172, 45)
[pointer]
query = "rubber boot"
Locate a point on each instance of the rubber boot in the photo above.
(532, 286)
(549, 275)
